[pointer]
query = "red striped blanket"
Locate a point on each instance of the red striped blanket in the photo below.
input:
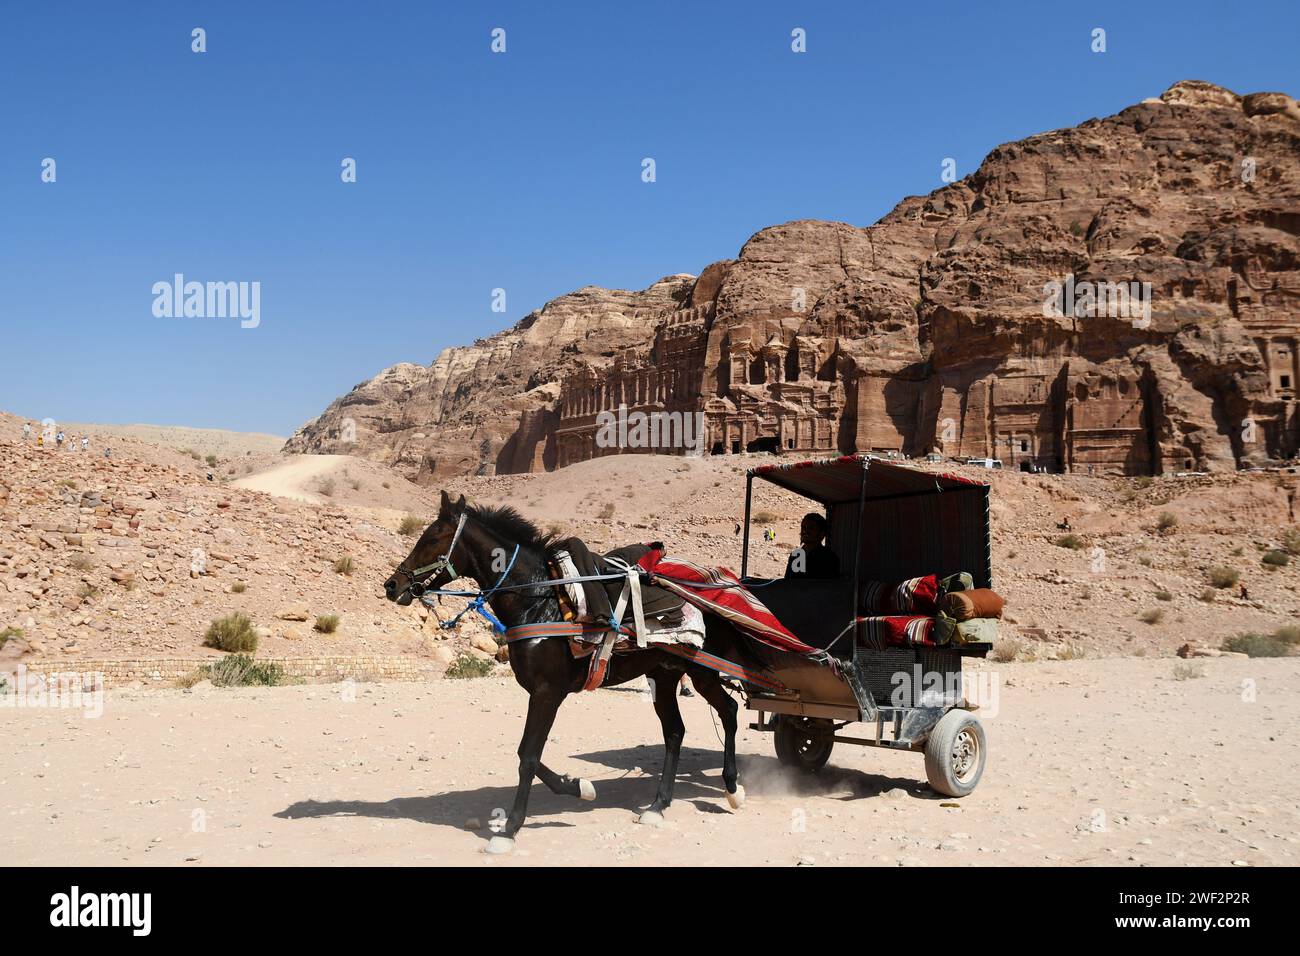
(720, 592)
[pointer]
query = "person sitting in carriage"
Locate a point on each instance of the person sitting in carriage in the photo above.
(812, 559)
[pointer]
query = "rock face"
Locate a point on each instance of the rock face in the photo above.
(1118, 297)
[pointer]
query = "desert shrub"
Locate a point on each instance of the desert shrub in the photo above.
(327, 623)
(1291, 541)
(87, 591)
(211, 460)
(326, 488)
(81, 562)
(9, 632)
(1007, 650)
(1183, 671)
(606, 512)
(1145, 481)
(345, 565)
(1288, 634)
(467, 666)
(193, 677)
(1276, 559)
(1262, 645)
(764, 517)
(387, 485)
(1152, 615)
(1069, 652)
(1071, 541)
(1145, 561)
(411, 525)
(240, 670)
(233, 633)
(1224, 577)
(239, 587)
(1207, 595)
(1164, 596)
(1166, 521)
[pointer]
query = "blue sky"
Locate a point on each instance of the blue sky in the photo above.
(476, 170)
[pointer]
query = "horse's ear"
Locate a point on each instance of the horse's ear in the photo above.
(460, 505)
(445, 506)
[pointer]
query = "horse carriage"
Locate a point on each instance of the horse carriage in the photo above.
(867, 642)
(900, 674)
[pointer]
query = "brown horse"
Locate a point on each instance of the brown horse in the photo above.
(478, 543)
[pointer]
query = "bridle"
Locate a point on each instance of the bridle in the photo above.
(419, 578)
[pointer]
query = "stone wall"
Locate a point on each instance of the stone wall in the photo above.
(312, 669)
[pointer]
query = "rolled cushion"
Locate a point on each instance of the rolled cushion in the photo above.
(967, 605)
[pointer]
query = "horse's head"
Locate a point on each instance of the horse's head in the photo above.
(430, 563)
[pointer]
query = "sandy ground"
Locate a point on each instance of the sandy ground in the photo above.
(1107, 761)
(293, 478)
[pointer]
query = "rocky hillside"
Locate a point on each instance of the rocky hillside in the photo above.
(928, 329)
(135, 555)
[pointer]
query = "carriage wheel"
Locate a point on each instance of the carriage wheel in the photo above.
(955, 754)
(804, 742)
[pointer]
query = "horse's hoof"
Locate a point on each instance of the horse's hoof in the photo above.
(585, 790)
(736, 800)
(499, 844)
(651, 818)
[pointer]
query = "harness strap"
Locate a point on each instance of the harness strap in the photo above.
(632, 588)
(572, 629)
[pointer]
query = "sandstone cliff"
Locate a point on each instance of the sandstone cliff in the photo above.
(932, 330)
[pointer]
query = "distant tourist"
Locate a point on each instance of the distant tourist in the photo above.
(27, 430)
(40, 440)
(108, 452)
(1245, 595)
(58, 439)
(85, 443)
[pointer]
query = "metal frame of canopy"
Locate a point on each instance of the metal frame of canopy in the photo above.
(898, 522)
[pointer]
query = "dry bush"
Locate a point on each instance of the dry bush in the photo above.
(233, 633)
(1224, 577)
(1007, 649)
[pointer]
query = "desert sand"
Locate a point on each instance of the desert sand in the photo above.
(1104, 746)
(1090, 762)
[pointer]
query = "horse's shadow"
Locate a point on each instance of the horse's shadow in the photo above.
(698, 781)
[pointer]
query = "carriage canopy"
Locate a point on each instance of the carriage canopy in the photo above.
(899, 522)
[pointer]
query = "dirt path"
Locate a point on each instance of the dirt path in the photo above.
(1091, 762)
(290, 480)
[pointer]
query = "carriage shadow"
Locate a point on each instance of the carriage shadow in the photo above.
(759, 774)
(698, 782)
(455, 807)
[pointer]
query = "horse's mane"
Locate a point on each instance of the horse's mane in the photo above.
(511, 525)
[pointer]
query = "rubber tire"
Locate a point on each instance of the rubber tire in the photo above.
(939, 754)
(791, 737)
